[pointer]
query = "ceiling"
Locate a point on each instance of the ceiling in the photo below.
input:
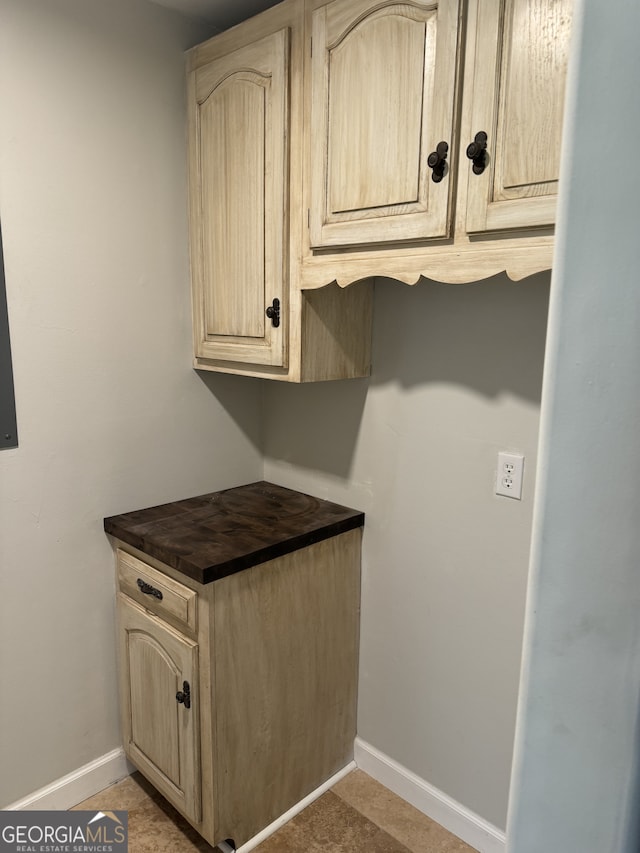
(221, 13)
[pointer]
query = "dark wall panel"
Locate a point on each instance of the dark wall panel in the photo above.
(8, 427)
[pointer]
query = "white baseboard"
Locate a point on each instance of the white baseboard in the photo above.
(79, 785)
(467, 825)
(286, 817)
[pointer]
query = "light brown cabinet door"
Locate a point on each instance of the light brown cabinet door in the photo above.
(238, 137)
(521, 52)
(383, 87)
(161, 735)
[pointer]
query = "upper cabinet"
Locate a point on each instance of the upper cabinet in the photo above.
(382, 97)
(334, 142)
(433, 137)
(239, 112)
(250, 314)
(520, 55)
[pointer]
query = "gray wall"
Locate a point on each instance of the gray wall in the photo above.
(576, 781)
(111, 416)
(456, 377)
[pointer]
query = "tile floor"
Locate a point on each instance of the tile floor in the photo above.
(358, 815)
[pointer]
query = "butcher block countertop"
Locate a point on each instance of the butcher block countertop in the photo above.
(211, 536)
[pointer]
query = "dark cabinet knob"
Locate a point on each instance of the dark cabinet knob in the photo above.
(183, 697)
(273, 312)
(477, 152)
(437, 162)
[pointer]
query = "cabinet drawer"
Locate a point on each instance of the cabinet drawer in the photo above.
(157, 592)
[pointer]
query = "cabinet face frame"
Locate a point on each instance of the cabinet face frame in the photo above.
(373, 211)
(239, 211)
(518, 188)
(179, 747)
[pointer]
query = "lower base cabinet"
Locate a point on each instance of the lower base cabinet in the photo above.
(238, 697)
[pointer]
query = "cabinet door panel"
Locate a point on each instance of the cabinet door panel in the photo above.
(153, 680)
(238, 129)
(161, 736)
(233, 182)
(383, 79)
(521, 55)
(359, 142)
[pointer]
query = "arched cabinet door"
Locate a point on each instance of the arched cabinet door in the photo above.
(521, 53)
(159, 702)
(382, 100)
(238, 161)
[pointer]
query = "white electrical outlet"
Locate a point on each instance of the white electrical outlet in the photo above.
(509, 477)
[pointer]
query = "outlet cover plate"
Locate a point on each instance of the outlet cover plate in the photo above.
(509, 475)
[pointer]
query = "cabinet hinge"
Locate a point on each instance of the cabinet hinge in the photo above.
(311, 46)
(308, 218)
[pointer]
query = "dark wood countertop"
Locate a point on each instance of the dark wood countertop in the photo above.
(211, 536)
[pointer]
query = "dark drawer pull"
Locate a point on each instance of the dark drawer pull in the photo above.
(147, 589)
